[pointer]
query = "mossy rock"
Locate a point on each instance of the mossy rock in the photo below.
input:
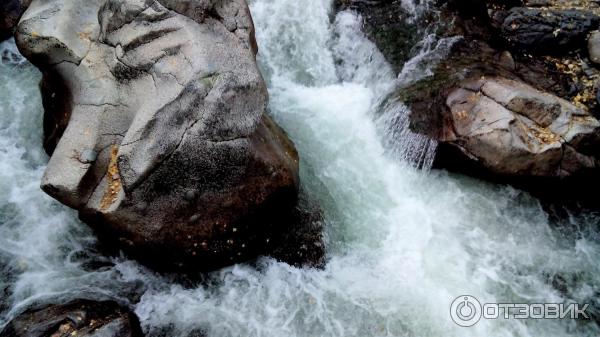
(471, 59)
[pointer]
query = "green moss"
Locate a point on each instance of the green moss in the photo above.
(209, 80)
(395, 43)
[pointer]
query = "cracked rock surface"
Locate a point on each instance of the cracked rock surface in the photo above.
(509, 93)
(514, 129)
(155, 121)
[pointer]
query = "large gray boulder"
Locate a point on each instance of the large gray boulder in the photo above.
(155, 118)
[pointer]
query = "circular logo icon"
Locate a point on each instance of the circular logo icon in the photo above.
(465, 310)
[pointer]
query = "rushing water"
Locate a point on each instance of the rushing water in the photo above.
(402, 243)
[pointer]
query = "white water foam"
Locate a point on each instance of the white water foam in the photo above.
(401, 143)
(393, 120)
(402, 243)
(43, 247)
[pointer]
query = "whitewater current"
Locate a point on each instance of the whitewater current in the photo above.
(402, 243)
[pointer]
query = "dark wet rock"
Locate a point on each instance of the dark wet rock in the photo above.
(469, 18)
(548, 27)
(155, 117)
(82, 318)
(545, 31)
(303, 244)
(10, 12)
(57, 108)
(170, 330)
(391, 26)
(10, 56)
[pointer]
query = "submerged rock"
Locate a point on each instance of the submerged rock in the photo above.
(82, 318)
(303, 244)
(156, 122)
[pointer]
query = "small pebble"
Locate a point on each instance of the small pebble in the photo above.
(190, 195)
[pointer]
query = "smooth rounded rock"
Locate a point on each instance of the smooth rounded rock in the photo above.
(594, 47)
